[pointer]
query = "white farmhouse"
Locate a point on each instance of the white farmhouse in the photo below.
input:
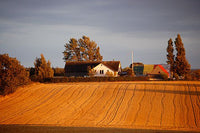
(107, 68)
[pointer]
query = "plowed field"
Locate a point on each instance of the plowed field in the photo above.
(130, 105)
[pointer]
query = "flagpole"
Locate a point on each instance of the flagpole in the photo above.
(132, 61)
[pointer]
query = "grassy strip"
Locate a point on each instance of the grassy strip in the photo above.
(59, 129)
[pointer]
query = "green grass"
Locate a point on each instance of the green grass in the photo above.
(60, 129)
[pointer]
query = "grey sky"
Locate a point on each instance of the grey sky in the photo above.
(31, 27)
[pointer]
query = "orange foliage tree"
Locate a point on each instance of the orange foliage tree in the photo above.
(12, 74)
(43, 69)
(82, 50)
(179, 65)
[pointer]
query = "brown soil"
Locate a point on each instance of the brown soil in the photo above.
(113, 105)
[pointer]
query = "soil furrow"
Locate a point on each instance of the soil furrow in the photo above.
(29, 107)
(63, 103)
(118, 105)
(19, 98)
(139, 104)
(127, 109)
(50, 104)
(151, 106)
(162, 104)
(84, 103)
(159, 105)
(187, 109)
(108, 110)
(70, 103)
(35, 106)
(194, 114)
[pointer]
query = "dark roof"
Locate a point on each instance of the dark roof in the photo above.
(71, 63)
(79, 66)
(113, 65)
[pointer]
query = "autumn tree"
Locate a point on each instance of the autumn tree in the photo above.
(182, 67)
(12, 74)
(82, 50)
(91, 72)
(170, 56)
(196, 74)
(43, 69)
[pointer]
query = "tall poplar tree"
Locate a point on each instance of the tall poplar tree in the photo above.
(170, 56)
(182, 67)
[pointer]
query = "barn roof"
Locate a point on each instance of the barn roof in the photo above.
(76, 63)
(79, 66)
(113, 65)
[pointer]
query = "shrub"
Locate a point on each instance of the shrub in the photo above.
(195, 74)
(12, 74)
(164, 76)
(188, 77)
(176, 76)
(59, 71)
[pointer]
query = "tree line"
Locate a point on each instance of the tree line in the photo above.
(13, 74)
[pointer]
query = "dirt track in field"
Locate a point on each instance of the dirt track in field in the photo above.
(144, 105)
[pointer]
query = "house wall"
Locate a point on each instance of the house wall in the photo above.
(147, 69)
(101, 70)
(156, 69)
(138, 70)
(120, 68)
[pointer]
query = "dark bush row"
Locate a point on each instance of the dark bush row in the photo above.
(93, 79)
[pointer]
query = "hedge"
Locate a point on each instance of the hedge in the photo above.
(93, 79)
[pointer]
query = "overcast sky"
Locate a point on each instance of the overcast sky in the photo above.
(31, 27)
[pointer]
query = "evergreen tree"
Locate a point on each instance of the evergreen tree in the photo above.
(182, 67)
(170, 56)
(50, 71)
(43, 69)
(82, 50)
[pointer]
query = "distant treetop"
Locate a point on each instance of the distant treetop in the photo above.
(82, 50)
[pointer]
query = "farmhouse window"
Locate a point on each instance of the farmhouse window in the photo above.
(101, 72)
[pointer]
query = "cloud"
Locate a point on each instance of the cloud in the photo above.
(117, 26)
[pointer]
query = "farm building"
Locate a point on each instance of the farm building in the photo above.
(161, 68)
(92, 68)
(151, 69)
(138, 68)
